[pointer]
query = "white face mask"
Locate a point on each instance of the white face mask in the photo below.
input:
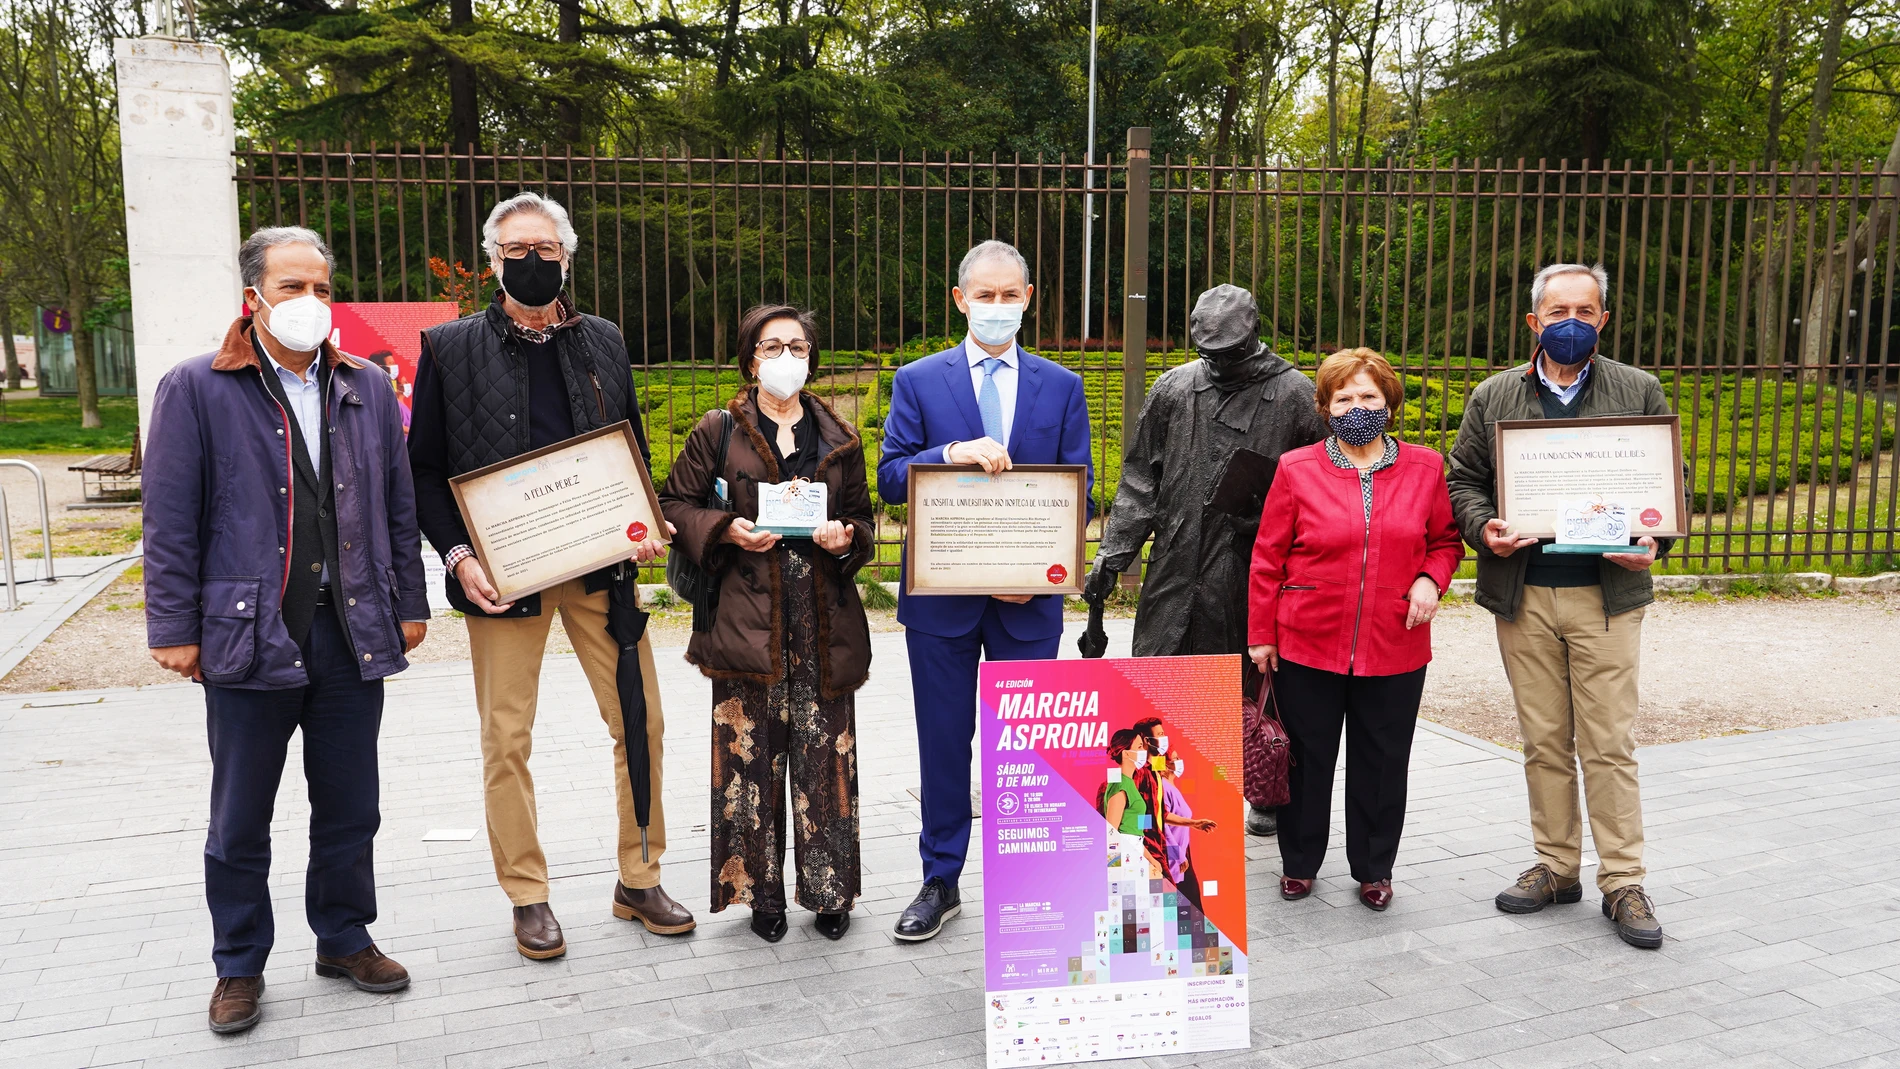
(1161, 744)
(1141, 757)
(300, 324)
(782, 375)
(994, 324)
(1180, 768)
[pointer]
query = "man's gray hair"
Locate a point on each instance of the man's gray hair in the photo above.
(990, 250)
(1595, 271)
(251, 253)
(528, 202)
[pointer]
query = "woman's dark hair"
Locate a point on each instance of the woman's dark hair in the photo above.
(1120, 742)
(752, 324)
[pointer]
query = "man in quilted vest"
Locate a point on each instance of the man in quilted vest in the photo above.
(529, 371)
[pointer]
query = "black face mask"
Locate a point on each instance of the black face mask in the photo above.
(532, 281)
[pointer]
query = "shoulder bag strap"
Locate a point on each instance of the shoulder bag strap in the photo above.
(713, 498)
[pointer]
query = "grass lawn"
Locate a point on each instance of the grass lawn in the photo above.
(51, 425)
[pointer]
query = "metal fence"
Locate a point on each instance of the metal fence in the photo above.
(1764, 297)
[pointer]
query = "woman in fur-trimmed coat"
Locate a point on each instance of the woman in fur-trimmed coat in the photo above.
(789, 644)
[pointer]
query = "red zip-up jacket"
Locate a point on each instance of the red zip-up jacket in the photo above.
(1329, 588)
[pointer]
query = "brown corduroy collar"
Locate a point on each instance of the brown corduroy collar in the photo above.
(238, 352)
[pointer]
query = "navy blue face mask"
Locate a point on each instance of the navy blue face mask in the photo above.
(1569, 341)
(1359, 426)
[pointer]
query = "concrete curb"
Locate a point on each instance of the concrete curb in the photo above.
(81, 596)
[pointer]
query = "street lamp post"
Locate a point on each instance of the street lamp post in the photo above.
(1088, 185)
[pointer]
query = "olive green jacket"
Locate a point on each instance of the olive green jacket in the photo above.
(1612, 389)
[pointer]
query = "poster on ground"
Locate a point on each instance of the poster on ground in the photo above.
(1112, 941)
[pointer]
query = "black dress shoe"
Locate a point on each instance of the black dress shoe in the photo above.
(935, 903)
(833, 925)
(1262, 821)
(768, 925)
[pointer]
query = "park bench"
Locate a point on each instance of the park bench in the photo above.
(110, 478)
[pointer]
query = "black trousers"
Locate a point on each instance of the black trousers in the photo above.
(1379, 714)
(249, 732)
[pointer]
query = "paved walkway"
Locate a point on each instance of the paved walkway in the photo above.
(44, 605)
(1773, 856)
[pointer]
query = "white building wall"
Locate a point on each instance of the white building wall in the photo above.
(181, 220)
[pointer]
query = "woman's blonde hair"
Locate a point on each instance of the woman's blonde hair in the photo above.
(1344, 366)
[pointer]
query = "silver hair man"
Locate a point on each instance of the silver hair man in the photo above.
(251, 254)
(528, 202)
(1595, 271)
(990, 250)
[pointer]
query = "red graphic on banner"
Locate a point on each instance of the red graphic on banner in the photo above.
(636, 531)
(1057, 573)
(389, 335)
(1651, 518)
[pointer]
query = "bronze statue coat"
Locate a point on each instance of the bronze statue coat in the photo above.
(1194, 599)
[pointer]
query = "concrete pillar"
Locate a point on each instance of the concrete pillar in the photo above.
(181, 221)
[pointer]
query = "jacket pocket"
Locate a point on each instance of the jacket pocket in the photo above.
(228, 641)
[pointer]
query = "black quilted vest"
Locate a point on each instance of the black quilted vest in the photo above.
(485, 384)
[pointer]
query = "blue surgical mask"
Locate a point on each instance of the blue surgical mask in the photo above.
(994, 324)
(1360, 426)
(1568, 341)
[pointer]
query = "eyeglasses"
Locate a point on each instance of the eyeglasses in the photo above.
(547, 250)
(770, 348)
(1566, 313)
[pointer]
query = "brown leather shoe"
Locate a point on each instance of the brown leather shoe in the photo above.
(236, 1005)
(1293, 890)
(369, 969)
(537, 934)
(1539, 887)
(653, 907)
(1376, 895)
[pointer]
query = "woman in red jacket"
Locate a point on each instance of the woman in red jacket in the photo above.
(1356, 543)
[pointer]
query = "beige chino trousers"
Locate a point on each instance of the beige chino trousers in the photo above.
(507, 655)
(1573, 673)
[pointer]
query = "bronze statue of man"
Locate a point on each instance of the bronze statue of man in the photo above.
(1195, 478)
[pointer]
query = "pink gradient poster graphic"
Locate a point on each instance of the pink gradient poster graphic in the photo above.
(1114, 870)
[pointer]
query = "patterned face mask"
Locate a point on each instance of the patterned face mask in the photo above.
(1359, 426)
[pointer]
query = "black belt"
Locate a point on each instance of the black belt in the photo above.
(324, 596)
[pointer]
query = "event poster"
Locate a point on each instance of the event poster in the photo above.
(1103, 941)
(389, 335)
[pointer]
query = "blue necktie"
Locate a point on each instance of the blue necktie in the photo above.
(989, 402)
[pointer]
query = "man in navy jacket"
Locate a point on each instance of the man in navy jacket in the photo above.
(991, 403)
(278, 462)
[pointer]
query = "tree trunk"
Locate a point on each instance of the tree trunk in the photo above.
(1840, 263)
(728, 43)
(1332, 92)
(465, 121)
(85, 371)
(1777, 83)
(1367, 56)
(1824, 72)
(568, 110)
(13, 356)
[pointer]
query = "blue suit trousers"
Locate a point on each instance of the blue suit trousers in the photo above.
(943, 689)
(249, 732)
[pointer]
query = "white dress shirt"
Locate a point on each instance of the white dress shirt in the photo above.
(1005, 378)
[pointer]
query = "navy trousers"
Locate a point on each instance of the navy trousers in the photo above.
(249, 732)
(943, 689)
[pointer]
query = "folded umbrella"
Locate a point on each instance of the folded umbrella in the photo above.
(627, 623)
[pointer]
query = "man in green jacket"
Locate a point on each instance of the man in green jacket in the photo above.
(1569, 626)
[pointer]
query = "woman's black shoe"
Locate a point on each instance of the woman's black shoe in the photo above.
(833, 925)
(768, 925)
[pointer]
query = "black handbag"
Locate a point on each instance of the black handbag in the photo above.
(695, 585)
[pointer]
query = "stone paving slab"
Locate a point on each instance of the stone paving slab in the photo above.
(1773, 860)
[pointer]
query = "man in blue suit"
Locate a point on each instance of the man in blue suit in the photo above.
(990, 403)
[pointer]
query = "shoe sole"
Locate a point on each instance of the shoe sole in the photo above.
(1640, 940)
(331, 972)
(1565, 896)
(626, 913)
(540, 955)
(931, 934)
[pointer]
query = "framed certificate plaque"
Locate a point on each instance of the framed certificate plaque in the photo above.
(559, 512)
(1021, 531)
(1545, 467)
